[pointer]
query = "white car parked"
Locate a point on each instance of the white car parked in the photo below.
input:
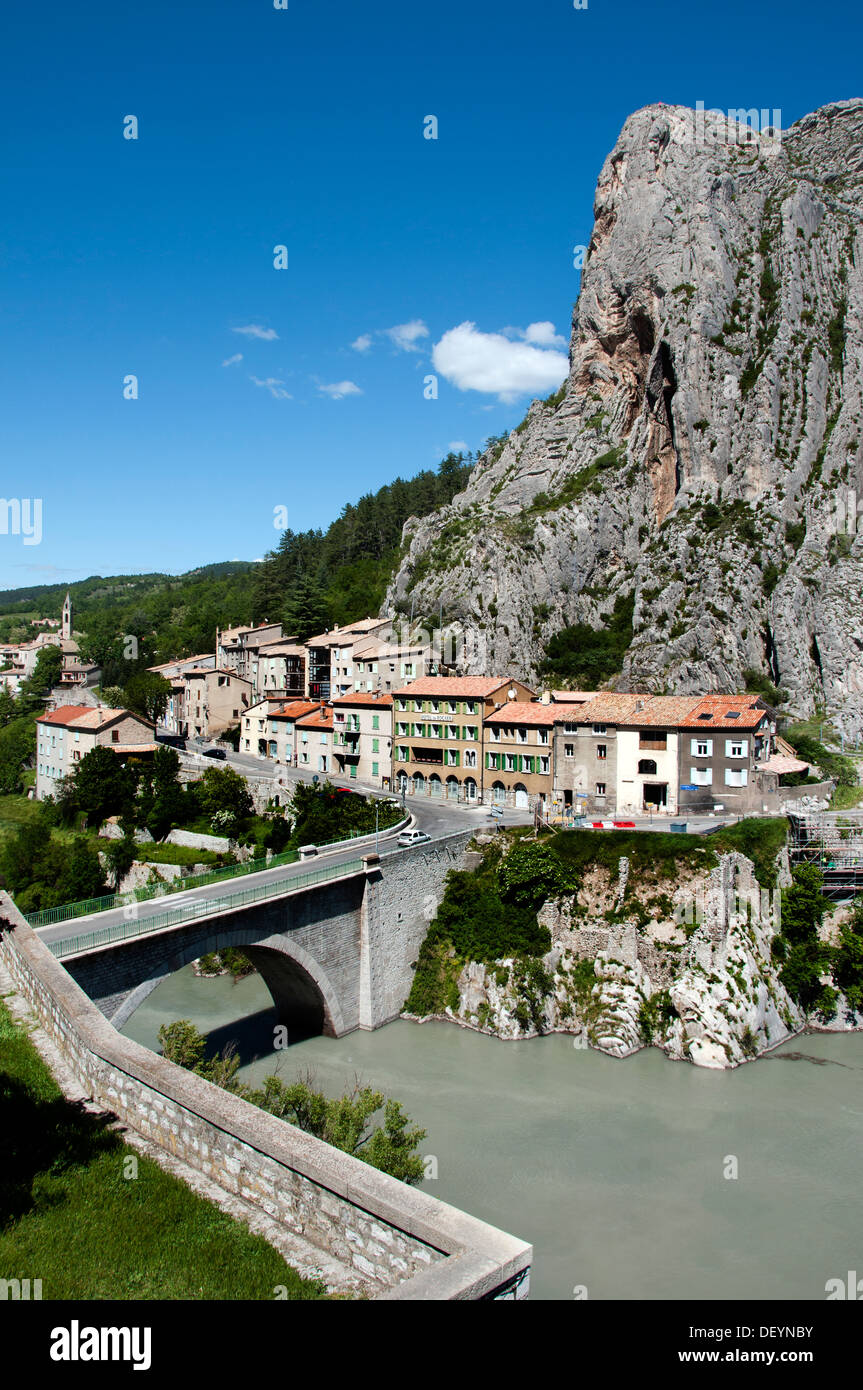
(412, 837)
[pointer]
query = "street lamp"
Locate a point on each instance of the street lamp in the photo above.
(377, 813)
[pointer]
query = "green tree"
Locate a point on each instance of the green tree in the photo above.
(305, 612)
(804, 957)
(17, 748)
(120, 856)
(530, 873)
(103, 785)
(114, 696)
(8, 707)
(24, 853)
(81, 875)
(346, 1124)
(803, 904)
(586, 655)
(148, 693)
(223, 789)
(182, 1043)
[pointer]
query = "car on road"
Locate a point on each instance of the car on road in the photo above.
(412, 837)
(215, 753)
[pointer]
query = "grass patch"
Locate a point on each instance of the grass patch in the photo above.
(177, 854)
(70, 1218)
(759, 840)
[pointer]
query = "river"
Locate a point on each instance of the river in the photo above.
(615, 1170)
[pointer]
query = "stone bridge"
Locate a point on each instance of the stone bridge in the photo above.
(335, 956)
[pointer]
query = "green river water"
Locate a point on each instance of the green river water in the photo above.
(613, 1169)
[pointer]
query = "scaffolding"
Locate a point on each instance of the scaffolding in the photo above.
(833, 842)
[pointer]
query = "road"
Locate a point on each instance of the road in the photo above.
(436, 820)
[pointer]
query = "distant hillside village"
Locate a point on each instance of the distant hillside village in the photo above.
(353, 704)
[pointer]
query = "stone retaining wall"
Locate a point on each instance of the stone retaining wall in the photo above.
(402, 1242)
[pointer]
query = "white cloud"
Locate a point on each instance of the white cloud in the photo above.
(275, 387)
(336, 390)
(230, 361)
(475, 361)
(254, 330)
(362, 343)
(457, 446)
(405, 335)
(543, 335)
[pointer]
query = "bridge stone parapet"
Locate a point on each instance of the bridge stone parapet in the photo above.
(398, 1241)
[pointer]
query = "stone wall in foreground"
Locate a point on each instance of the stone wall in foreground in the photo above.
(403, 1243)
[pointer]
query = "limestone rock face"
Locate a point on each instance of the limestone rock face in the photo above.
(703, 455)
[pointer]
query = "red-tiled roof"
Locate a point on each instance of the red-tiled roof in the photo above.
(363, 697)
(608, 707)
(64, 715)
(296, 709)
(670, 710)
(525, 712)
(716, 709)
(321, 719)
(474, 687)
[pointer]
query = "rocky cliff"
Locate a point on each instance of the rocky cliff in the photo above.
(702, 456)
(689, 970)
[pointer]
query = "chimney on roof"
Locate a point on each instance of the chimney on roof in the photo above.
(639, 706)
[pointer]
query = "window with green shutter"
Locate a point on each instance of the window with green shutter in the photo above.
(353, 769)
(375, 745)
(376, 721)
(374, 769)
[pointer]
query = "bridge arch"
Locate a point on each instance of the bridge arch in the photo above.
(304, 997)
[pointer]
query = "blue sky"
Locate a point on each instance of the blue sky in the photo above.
(304, 127)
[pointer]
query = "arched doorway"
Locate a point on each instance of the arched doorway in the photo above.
(435, 785)
(419, 783)
(402, 783)
(452, 789)
(498, 793)
(521, 798)
(470, 789)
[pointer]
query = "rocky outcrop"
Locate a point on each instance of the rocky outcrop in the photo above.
(697, 978)
(703, 455)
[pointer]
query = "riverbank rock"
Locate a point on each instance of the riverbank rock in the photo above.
(694, 975)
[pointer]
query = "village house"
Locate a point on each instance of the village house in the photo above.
(727, 743)
(278, 667)
(517, 753)
(585, 751)
(268, 728)
(438, 732)
(362, 737)
(69, 733)
(385, 666)
(205, 702)
(237, 647)
(314, 741)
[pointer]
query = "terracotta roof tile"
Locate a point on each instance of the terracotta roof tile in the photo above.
(610, 707)
(64, 715)
(363, 697)
(718, 707)
(295, 709)
(455, 686)
(321, 719)
(524, 712)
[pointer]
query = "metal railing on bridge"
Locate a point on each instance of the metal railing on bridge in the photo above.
(51, 916)
(202, 907)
